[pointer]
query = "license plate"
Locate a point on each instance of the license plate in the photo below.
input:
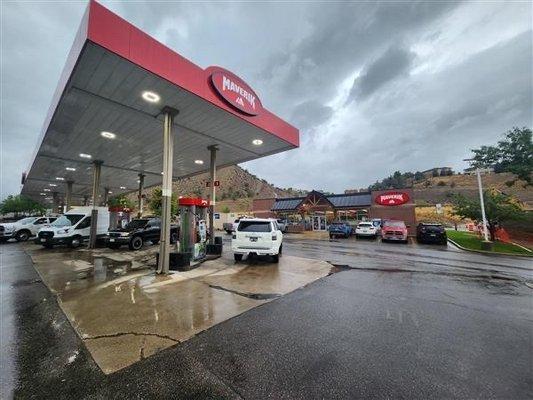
(111, 240)
(433, 234)
(253, 239)
(43, 240)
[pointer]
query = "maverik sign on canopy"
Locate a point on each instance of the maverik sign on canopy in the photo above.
(392, 198)
(235, 91)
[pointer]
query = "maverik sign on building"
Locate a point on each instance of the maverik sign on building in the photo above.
(235, 91)
(392, 198)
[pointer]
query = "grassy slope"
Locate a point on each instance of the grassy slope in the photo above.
(472, 241)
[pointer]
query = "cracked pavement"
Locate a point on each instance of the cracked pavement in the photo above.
(124, 312)
(387, 322)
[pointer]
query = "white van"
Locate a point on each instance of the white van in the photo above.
(74, 227)
(258, 236)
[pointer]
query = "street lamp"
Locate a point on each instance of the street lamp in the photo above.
(486, 244)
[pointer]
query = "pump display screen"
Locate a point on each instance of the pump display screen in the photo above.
(254, 226)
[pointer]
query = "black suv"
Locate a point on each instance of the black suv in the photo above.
(427, 232)
(139, 231)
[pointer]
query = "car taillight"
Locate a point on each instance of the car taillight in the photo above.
(234, 236)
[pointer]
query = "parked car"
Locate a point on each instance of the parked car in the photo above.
(394, 231)
(366, 229)
(282, 224)
(74, 227)
(427, 232)
(340, 229)
(24, 228)
(378, 223)
(230, 227)
(139, 231)
(257, 236)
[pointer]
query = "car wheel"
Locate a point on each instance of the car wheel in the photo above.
(280, 250)
(275, 258)
(3, 240)
(75, 242)
(22, 236)
(173, 237)
(136, 243)
(237, 257)
(346, 236)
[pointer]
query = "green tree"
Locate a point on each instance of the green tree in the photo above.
(512, 154)
(499, 208)
(155, 202)
(121, 201)
(21, 204)
(226, 210)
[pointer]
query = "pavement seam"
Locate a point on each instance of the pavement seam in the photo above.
(475, 276)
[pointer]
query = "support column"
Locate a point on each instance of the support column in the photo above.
(166, 190)
(97, 168)
(55, 199)
(212, 199)
(140, 195)
(106, 196)
(68, 195)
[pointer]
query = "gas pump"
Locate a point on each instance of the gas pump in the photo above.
(193, 228)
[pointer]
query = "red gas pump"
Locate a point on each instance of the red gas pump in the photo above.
(193, 229)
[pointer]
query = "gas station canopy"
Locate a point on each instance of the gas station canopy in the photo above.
(108, 108)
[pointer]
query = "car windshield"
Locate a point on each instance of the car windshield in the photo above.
(395, 224)
(365, 224)
(26, 221)
(137, 223)
(68, 220)
(254, 226)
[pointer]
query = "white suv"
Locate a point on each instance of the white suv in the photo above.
(258, 236)
(366, 229)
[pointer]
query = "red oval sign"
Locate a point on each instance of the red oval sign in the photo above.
(392, 198)
(235, 91)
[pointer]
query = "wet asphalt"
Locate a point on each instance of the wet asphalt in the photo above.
(394, 321)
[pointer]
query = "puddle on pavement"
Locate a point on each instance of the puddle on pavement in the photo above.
(124, 312)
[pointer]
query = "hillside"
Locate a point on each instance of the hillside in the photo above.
(237, 189)
(439, 189)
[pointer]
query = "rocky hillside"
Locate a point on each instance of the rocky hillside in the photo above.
(439, 189)
(237, 189)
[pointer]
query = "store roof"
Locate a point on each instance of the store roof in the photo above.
(109, 70)
(339, 201)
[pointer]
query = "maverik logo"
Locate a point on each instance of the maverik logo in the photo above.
(235, 91)
(392, 198)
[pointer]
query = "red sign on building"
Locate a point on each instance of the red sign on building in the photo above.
(392, 198)
(235, 91)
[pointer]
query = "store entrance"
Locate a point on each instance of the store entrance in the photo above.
(318, 222)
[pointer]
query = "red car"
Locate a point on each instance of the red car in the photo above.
(394, 231)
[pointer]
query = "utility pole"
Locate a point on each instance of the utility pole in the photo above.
(486, 244)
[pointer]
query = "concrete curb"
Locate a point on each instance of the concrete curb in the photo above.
(491, 253)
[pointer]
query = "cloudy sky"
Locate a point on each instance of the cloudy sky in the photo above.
(373, 87)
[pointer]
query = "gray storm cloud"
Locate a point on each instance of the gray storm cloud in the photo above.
(433, 79)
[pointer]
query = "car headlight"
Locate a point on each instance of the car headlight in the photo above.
(124, 234)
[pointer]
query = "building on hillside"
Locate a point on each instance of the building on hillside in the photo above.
(437, 171)
(472, 170)
(316, 211)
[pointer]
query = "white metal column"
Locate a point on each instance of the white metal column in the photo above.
(140, 195)
(97, 169)
(68, 195)
(166, 190)
(212, 200)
